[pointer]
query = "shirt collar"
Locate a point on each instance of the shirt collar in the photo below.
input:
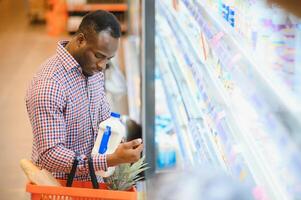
(69, 62)
(66, 58)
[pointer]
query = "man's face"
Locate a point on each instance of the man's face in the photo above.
(95, 52)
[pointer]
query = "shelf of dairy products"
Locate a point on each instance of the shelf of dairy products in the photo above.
(206, 143)
(272, 129)
(235, 52)
(228, 151)
(177, 110)
(269, 34)
(248, 141)
(193, 124)
(167, 146)
(208, 136)
(189, 95)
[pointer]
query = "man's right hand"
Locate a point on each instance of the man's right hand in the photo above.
(128, 152)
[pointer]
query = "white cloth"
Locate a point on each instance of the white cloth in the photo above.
(116, 89)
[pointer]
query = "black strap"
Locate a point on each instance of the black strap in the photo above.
(92, 174)
(72, 172)
(91, 171)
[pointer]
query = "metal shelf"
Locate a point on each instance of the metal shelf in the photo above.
(176, 108)
(182, 51)
(283, 102)
(191, 106)
(117, 7)
(254, 157)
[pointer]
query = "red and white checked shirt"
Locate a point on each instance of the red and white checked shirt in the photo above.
(65, 109)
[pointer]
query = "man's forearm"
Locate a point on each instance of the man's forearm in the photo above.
(57, 159)
(60, 159)
(112, 160)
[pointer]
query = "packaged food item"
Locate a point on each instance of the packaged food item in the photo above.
(36, 175)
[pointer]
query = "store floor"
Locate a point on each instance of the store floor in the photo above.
(23, 48)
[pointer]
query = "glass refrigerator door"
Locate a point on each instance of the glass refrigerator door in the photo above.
(231, 82)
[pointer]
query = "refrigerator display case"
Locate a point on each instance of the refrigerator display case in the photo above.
(160, 140)
(224, 76)
(230, 71)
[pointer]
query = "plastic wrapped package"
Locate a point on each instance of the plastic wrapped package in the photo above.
(116, 89)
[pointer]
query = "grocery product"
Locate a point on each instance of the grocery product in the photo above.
(111, 132)
(36, 175)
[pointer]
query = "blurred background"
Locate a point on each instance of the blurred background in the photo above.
(24, 46)
(210, 84)
(30, 30)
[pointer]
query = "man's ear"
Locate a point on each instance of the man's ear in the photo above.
(80, 39)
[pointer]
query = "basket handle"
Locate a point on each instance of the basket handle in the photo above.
(91, 171)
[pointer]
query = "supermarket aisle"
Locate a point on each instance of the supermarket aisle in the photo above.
(23, 49)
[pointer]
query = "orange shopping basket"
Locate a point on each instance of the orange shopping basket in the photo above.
(80, 190)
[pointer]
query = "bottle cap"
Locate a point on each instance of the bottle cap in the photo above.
(114, 114)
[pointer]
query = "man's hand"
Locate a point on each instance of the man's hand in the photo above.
(128, 152)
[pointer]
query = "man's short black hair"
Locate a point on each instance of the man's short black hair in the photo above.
(98, 21)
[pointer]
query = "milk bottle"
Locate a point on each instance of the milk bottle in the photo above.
(111, 132)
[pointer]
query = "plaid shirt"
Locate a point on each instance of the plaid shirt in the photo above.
(65, 109)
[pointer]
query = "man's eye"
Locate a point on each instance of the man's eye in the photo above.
(99, 56)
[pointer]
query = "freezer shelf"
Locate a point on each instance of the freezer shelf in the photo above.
(209, 135)
(231, 49)
(249, 142)
(273, 126)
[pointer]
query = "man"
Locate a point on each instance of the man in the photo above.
(66, 101)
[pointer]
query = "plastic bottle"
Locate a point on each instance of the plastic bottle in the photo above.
(111, 132)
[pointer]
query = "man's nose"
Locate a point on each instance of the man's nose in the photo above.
(101, 65)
